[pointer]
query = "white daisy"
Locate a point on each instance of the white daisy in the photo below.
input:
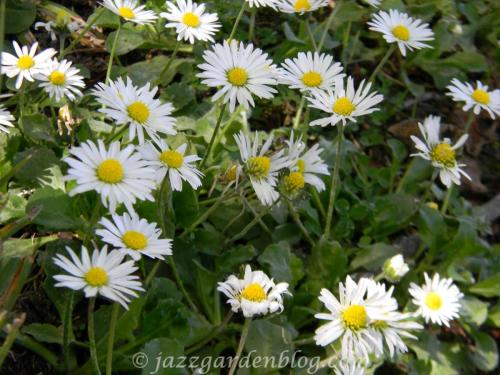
(174, 163)
(477, 98)
(402, 29)
(255, 294)
(261, 169)
(301, 6)
(310, 71)
(104, 274)
(130, 10)
(344, 104)
(440, 152)
(438, 300)
(262, 3)
(134, 236)
(61, 80)
(6, 119)
(190, 21)
(395, 268)
(119, 176)
(241, 71)
(349, 368)
(128, 104)
(26, 64)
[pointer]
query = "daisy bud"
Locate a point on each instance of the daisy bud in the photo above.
(395, 268)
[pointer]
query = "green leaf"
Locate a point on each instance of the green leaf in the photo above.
(229, 260)
(485, 356)
(185, 204)
(328, 261)
(474, 310)
(168, 351)
(19, 15)
(128, 40)
(372, 257)
(19, 248)
(494, 315)
(432, 227)
(276, 260)
(37, 166)
(488, 287)
(44, 332)
(38, 128)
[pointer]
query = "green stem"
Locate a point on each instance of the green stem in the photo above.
(214, 135)
(470, 120)
(382, 62)
(170, 60)
(252, 24)
(237, 21)
(310, 33)
(113, 51)
(91, 333)
(333, 187)
(298, 114)
(298, 222)
(406, 174)
(152, 273)
(67, 326)
(111, 338)
(327, 25)
(180, 284)
(82, 33)
(317, 202)
(241, 345)
(11, 336)
(446, 201)
(39, 349)
(250, 225)
(92, 221)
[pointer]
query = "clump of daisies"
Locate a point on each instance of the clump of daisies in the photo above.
(475, 98)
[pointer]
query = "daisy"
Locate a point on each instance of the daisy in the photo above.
(239, 71)
(310, 71)
(348, 368)
(61, 80)
(119, 176)
(134, 236)
(402, 29)
(262, 3)
(130, 10)
(255, 294)
(128, 104)
(395, 268)
(441, 153)
(102, 274)
(172, 163)
(26, 64)
(438, 300)
(301, 6)
(6, 119)
(344, 104)
(477, 98)
(190, 21)
(262, 169)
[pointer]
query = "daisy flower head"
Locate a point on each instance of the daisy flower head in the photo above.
(127, 104)
(134, 236)
(345, 103)
(310, 71)
(262, 3)
(6, 119)
(476, 98)
(441, 153)
(301, 6)
(349, 368)
(103, 273)
(438, 300)
(61, 80)
(400, 28)
(395, 268)
(261, 167)
(239, 72)
(26, 63)
(119, 176)
(131, 11)
(190, 20)
(173, 164)
(255, 294)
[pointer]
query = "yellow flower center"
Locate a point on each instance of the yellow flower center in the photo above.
(191, 19)
(139, 112)
(355, 317)
(432, 205)
(96, 276)
(25, 62)
(444, 154)
(401, 32)
(433, 301)
(481, 96)
(302, 5)
(172, 159)
(259, 166)
(237, 76)
(254, 292)
(126, 12)
(294, 182)
(135, 240)
(231, 173)
(110, 171)
(62, 17)
(343, 106)
(312, 79)
(301, 164)
(57, 78)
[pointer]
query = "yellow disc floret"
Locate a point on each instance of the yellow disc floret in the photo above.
(401, 32)
(135, 240)
(444, 154)
(480, 96)
(343, 106)
(172, 159)
(259, 166)
(312, 79)
(139, 112)
(126, 12)
(433, 301)
(110, 171)
(254, 292)
(294, 182)
(25, 62)
(57, 78)
(355, 317)
(302, 5)
(190, 19)
(237, 76)
(96, 276)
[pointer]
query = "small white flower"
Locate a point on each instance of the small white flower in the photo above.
(238, 71)
(438, 300)
(344, 104)
(310, 71)
(395, 268)
(104, 274)
(6, 119)
(130, 10)
(49, 27)
(263, 3)
(402, 29)
(172, 163)
(190, 21)
(26, 64)
(476, 98)
(119, 176)
(440, 152)
(134, 236)
(261, 169)
(349, 368)
(301, 6)
(128, 104)
(61, 80)
(255, 294)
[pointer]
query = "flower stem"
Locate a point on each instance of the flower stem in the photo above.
(335, 179)
(310, 33)
(382, 62)
(170, 60)
(67, 326)
(91, 333)
(327, 25)
(446, 201)
(470, 120)
(111, 338)
(252, 24)
(113, 51)
(82, 33)
(214, 135)
(180, 284)
(237, 21)
(298, 222)
(298, 114)
(405, 176)
(241, 345)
